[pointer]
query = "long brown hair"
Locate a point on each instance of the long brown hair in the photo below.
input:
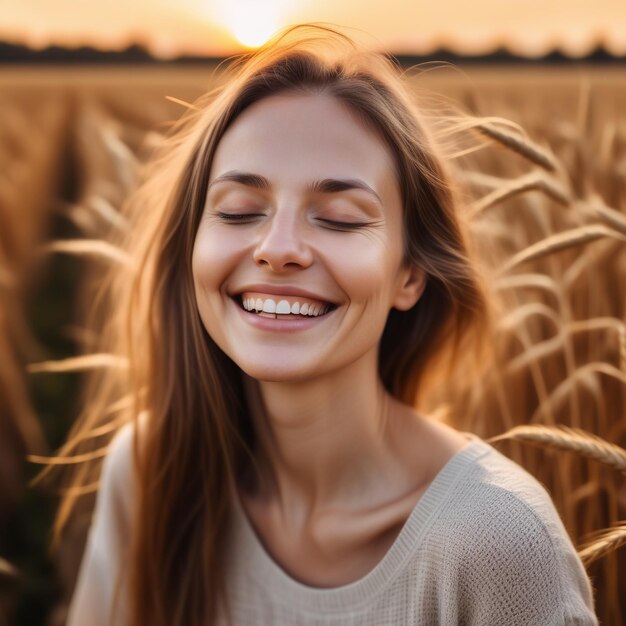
(198, 435)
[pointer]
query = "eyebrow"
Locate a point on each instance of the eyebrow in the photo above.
(326, 185)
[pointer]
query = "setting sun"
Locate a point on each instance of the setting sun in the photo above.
(252, 33)
(253, 23)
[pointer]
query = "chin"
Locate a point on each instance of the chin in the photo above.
(285, 373)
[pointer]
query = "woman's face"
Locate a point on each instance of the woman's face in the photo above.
(280, 232)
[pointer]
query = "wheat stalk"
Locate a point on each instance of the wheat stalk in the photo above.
(605, 323)
(598, 544)
(569, 439)
(78, 363)
(536, 352)
(104, 209)
(93, 247)
(68, 460)
(80, 491)
(609, 215)
(561, 241)
(480, 179)
(583, 375)
(521, 145)
(519, 315)
(183, 103)
(533, 181)
(530, 280)
(550, 346)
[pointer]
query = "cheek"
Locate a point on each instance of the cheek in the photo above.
(209, 267)
(364, 267)
(212, 257)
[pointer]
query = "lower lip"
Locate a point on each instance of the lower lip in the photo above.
(283, 326)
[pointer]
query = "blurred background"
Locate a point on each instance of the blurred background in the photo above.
(86, 87)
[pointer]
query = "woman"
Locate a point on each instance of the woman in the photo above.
(300, 266)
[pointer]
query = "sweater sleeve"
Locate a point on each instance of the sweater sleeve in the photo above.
(105, 558)
(521, 568)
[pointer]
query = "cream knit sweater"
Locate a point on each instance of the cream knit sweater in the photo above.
(484, 546)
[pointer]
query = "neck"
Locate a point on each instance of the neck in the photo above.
(325, 442)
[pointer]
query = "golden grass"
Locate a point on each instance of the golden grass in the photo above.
(88, 247)
(521, 144)
(603, 542)
(571, 440)
(30, 136)
(546, 204)
(533, 181)
(549, 222)
(70, 460)
(78, 364)
(561, 241)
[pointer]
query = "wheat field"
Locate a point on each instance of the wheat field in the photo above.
(542, 166)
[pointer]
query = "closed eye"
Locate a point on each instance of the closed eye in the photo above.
(240, 217)
(237, 216)
(343, 224)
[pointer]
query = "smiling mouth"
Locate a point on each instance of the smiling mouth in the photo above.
(283, 307)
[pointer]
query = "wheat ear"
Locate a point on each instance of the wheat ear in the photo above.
(561, 241)
(570, 439)
(88, 247)
(523, 146)
(599, 543)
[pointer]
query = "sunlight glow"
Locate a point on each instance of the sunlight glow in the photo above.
(253, 22)
(255, 34)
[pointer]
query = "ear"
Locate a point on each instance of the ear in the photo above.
(411, 286)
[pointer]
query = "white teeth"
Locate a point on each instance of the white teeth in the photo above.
(269, 306)
(283, 307)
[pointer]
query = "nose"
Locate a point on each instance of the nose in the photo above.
(282, 242)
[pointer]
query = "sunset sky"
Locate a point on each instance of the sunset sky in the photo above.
(221, 27)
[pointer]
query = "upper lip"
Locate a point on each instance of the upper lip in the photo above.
(281, 290)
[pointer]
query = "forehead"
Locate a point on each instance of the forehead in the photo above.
(293, 138)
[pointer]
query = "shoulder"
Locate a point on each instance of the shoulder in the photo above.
(106, 552)
(494, 485)
(503, 506)
(116, 492)
(117, 467)
(119, 452)
(510, 546)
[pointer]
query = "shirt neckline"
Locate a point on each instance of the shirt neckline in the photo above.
(286, 589)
